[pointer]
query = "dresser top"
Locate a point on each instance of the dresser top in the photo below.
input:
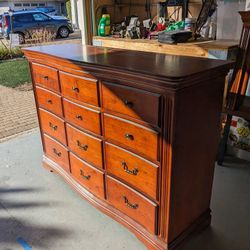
(156, 64)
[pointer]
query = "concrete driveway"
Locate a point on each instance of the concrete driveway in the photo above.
(38, 209)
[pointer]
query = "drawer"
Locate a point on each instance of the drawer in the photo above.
(49, 100)
(133, 169)
(52, 125)
(133, 204)
(133, 102)
(137, 137)
(81, 116)
(89, 177)
(45, 76)
(87, 147)
(80, 88)
(56, 152)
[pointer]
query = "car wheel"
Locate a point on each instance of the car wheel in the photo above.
(63, 32)
(21, 38)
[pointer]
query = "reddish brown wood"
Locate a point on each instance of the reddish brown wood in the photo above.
(57, 152)
(175, 141)
(132, 135)
(133, 102)
(80, 89)
(52, 125)
(91, 178)
(134, 170)
(49, 100)
(132, 204)
(45, 76)
(81, 116)
(88, 147)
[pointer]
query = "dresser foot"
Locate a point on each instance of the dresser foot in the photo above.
(47, 166)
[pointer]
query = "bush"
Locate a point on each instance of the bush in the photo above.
(9, 53)
(41, 36)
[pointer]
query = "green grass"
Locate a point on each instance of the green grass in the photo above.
(14, 73)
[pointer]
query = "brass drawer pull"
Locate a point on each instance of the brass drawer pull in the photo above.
(79, 117)
(128, 204)
(46, 78)
(128, 103)
(57, 153)
(75, 89)
(49, 101)
(129, 137)
(54, 127)
(83, 147)
(132, 172)
(86, 177)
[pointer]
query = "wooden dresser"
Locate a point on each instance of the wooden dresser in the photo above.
(134, 133)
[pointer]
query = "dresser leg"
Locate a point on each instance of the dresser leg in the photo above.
(45, 165)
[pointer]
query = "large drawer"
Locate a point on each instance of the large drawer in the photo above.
(56, 152)
(132, 204)
(52, 125)
(45, 76)
(133, 102)
(89, 177)
(49, 100)
(81, 116)
(79, 88)
(87, 147)
(137, 137)
(140, 173)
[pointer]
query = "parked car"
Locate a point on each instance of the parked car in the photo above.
(48, 10)
(24, 23)
(1, 17)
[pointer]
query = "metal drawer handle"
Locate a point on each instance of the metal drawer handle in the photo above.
(57, 153)
(86, 177)
(54, 127)
(49, 101)
(129, 137)
(83, 147)
(79, 117)
(75, 89)
(132, 172)
(129, 103)
(46, 78)
(128, 204)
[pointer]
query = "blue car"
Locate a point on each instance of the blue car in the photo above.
(24, 23)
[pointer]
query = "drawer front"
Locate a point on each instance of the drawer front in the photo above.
(56, 152)
(83, 117)
(136, 137)
(132, 102)
(46, 76)
(89, 177)
(132, 204)
(85, 146)
(79, 88)
(53, 125)
(50, 101)
(136, 171)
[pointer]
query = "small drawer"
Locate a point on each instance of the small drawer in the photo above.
(137, 137)
(56, 152)
(133, 204)
(140, 173)
(89, 177)
(87, 147)
(133, 102)
(52, 125)
(81, 116)
(79, 88)
(49, 100)
(45, 76)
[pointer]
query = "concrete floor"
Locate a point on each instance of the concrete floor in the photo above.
(46, 213)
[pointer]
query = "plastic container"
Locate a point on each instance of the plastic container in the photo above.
(190, 24)
(104, 25)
